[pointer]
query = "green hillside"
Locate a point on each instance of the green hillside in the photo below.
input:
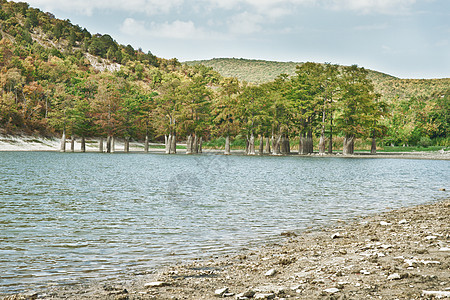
(261, 71)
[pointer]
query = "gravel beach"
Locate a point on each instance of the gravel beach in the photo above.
(399, 254)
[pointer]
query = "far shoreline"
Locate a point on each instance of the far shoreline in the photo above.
(41, 144)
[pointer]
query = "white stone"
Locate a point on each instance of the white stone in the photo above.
(220, 292)
(394, 276)
(430, 262)
(271, 272)
(444, 249)
(364, 272)
(155, 284)
(431, 237)
(331, 290)
(402, 222)
(264, 296)
(383, 223)
(439, 294)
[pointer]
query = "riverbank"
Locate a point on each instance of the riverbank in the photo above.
(399, 254)
(34, 143)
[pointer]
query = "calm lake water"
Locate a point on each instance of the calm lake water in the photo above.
(70, 218)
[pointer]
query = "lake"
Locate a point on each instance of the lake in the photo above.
(68, 218)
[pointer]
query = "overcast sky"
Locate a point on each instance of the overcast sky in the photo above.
(404, 38)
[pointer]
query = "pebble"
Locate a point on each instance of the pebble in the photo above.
(336, 236)
(394, 276)
(403, 222)
(220, 292)
(383, 223)
(264, 296)
(444, 249)
(271, 273)
(438, 294)
(156, 284)
(331, 290)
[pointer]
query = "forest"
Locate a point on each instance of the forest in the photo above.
(57, 79)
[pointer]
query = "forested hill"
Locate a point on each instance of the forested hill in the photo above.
(262, 71)
(57, 78)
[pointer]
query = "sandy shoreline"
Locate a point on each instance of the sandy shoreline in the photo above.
(400, 254)
(31, 143)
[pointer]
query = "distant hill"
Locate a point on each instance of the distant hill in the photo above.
(261, 71)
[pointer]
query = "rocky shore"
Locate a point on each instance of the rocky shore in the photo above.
(400, 254)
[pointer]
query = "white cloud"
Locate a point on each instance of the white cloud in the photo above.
(373, 6)
(245, 23)
(175, 30)
(87, 7)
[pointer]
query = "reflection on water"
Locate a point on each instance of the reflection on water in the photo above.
(68, 218)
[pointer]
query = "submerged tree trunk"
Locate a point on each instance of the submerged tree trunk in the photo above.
(310, 142)
(227, 145)
(276, 145)
(373, 150)
(251, 145)
(285, 144)
(261, 145)
(63, 142)
(268, 145)
(195, 144)
(108, 144)
(173, 144)
(126, 146)
(146, 144)
(72, 143)
(167, 140)
(113, 144)
(322, 145)
(200, 145)
(302, 145)
(189, 145)
(100, 145)
(348, 147)
(83, 144)
(330, 144)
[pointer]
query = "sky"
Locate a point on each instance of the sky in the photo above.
(403, 38)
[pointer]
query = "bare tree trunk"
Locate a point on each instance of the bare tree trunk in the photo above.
(195, 144)
(113, 144)
(126, 146)
(373, 150)
(227, 145)
(268, 145)
(322, 145)
(310, 142)
(72, 143)
(108, 144)
(302, 146)
(173, 144)
(100, 145)
(285, 144)
(146, 144)
(63, 141)
(83, 144)
(348, 147)
(200, 145)
(330, 145)
(167, 140)
(261, 145)
(251, 145)
(189, 144)
(276, 145)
